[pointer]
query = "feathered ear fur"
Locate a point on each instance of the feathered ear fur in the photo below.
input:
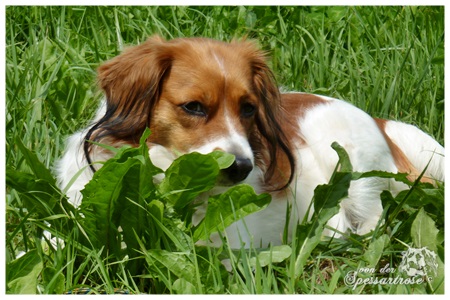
(132, 84)
(275, 147)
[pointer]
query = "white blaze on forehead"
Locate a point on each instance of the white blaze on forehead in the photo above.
(230, 141)
(220, 63)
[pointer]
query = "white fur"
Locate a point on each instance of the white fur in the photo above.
(341, 122)
(232, 142)
(72, 170)
(320, 126)
(70, 165)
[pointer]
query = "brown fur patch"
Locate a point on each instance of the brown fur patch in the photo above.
(401, 161)
(297, 104)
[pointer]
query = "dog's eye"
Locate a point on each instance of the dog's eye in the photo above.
(248, 110)
(194, 108)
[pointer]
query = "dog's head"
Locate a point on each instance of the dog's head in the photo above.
(198, 95)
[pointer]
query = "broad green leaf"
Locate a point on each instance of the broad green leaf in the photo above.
(53, 280)
(177, 263)
(132, 210)
(276, 254)
(187, 177)
(22, 274)
(373, 254)
(344, 160)
(26, 284)
(155, 211)
(327, 198)
(224, 160)
(225, 209)
(424, 231)
(424, 234)
(183, 287)
(100, 198)
(400, 177)
(115, 197)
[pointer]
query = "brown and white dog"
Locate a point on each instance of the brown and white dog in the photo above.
(202, 95)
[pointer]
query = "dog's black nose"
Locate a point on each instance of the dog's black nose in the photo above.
(239, 170)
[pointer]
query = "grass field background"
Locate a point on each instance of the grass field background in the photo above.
(389, 61)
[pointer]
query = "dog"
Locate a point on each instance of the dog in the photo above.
(202, 95)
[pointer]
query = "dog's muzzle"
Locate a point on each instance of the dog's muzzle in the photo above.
(239, 170)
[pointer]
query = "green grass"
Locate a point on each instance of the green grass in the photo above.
(389, 61)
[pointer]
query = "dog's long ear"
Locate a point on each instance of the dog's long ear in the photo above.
(276, 154)
(132, 84)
